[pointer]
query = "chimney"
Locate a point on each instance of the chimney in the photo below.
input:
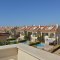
(39, 26)
(57, 25)
(26, 26)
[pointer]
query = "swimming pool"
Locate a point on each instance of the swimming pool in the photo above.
(40, 45)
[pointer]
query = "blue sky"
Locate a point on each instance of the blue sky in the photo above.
(29, 12)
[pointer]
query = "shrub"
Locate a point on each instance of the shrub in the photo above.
(11, 39)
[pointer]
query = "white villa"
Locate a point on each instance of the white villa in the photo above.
(50, 32)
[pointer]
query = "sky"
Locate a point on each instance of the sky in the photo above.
(29, 12)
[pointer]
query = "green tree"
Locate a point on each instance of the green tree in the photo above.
(27, 35)
(42, 38)
(13, 32)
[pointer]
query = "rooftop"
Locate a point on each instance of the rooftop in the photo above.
(25, 52)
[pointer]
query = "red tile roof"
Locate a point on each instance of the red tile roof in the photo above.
(32, 28)
(39, 28)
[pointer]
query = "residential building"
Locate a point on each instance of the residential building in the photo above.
(51, 31)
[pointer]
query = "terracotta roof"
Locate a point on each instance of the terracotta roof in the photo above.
(32, 28)
(2, 29)
(37, 28)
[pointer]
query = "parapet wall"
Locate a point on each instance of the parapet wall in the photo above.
(25, 52)
(8, 53)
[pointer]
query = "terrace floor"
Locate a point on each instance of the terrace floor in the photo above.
(24, 52)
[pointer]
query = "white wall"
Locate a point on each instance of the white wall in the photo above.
(33, 39)
(25, 56)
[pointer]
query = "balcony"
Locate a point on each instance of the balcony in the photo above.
(25, 52)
